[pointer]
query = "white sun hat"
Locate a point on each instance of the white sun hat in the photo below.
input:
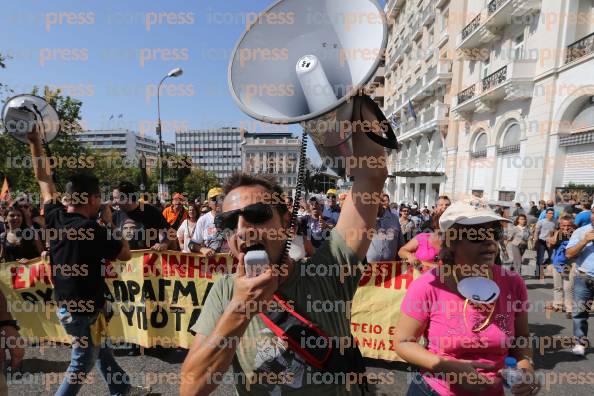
(468, 213)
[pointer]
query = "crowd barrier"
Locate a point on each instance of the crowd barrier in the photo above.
(157, 296)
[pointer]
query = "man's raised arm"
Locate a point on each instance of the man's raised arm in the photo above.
(41, 168)
(359, 211)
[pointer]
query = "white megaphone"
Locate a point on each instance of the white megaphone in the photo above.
(22, 113)
(306, 61)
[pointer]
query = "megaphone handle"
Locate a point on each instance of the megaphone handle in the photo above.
(48, 153)
(390, 140)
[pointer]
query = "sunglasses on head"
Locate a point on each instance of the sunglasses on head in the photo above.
(257, 213)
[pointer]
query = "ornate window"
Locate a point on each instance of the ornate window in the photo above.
(510, 139)
(479, 148)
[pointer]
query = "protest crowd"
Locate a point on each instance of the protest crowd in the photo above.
(443, 243)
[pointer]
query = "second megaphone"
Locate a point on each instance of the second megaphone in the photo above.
(311, 68)
(24, 113)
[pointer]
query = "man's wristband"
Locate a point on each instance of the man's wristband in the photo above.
(11, 323)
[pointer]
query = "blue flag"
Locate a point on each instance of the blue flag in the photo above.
(394, 122)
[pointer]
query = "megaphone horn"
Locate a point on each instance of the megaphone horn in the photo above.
(319, 70)
(24, 113)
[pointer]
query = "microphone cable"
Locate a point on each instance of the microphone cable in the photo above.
(297, 199)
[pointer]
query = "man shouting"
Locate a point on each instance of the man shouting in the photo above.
(287, 330)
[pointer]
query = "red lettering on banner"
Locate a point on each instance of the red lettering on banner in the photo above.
(377, 344)
(366, 276)
(172, 267)
(192, 266)
(388, 275)
(384, 274)
(39, 272)
(367, 328)
(408, 276)
(380, 345)
(217, 265)
(110, 272)
(368, 343)
(148, 262)
(18, 282)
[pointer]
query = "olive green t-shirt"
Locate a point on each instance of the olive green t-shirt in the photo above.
(321, 289)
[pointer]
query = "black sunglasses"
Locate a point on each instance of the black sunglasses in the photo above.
(257, 213)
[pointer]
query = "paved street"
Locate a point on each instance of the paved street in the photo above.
(556, 361)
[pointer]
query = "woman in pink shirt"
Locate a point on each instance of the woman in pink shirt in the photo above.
(466, 342)
(423, 249)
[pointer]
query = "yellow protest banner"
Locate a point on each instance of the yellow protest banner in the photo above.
(157, 296)
(376, 307)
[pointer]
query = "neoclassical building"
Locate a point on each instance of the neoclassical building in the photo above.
(492, 98)
(523, 115)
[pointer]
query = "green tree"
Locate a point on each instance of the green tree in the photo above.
(4, 89)
(111, 168)
(198, 182)
(178, 168)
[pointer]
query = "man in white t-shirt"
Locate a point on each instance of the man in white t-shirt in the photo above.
(206, 240)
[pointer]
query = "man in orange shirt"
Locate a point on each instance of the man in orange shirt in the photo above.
(176, 213)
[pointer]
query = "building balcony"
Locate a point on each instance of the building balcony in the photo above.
(389, 110)
(478, 154)
(513, 149)
(397, 53)
(378, 95)
(433, 80)
(428, 15)
(580, 49)
(487, 25)
(398, 103)
(379, 75)
(379, 92)
(428, 120)
(406, 43)
(513, 81)
(430, 165)
(436, 77)
(414, 89)
(440, 3)
(416, 27)
(394, 5)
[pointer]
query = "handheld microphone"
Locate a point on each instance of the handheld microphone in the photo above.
(256, 262)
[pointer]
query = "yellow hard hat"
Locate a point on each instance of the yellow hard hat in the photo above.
(331, 191)
(214, 192)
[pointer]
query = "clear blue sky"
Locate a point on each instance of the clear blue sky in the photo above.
(93, 50)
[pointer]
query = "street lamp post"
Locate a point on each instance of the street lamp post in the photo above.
(163, 190)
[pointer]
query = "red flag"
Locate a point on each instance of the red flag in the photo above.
(5, 192)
